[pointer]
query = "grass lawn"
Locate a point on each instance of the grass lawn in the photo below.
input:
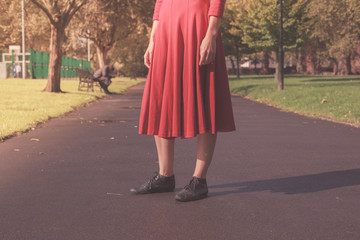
(330, 97)
(23, 105)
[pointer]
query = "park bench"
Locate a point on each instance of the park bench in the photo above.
(86, 80)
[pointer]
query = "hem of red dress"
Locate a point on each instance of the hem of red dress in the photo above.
(187, 135)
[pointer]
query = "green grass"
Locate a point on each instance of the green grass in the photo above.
(335, 98)
(23, 105)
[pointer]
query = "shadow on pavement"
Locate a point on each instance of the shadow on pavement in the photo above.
(295, 185)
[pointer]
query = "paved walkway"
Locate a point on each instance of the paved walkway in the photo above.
(279, 176)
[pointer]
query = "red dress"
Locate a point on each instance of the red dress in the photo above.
(181, 98)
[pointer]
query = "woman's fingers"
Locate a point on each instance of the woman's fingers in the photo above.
(147, 58)
(148, 54)
(202, 56)
(206, 57)
(207, 51)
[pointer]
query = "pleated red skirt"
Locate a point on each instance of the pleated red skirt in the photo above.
(181, 98)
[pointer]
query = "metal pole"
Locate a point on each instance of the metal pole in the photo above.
(281, 51)
(23, 40)
(89, 50)
(88, 46)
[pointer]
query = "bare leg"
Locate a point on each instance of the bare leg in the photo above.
(205, 149)
(165, 148)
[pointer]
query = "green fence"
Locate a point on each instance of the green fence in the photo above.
(39, 65)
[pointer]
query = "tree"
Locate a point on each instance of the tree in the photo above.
(6, 7)
(36, 37)
(261, 24)
(59, 14)
(337, 24)
(119, 30)
(233, 35)
(129, 52)
(106, 22)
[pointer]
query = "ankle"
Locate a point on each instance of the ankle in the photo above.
(166, 174)
(199, 175)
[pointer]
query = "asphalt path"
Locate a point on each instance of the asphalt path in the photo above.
(279, 176)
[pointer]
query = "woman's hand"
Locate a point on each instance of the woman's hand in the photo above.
(149, 50)
(207, 50)
(148, 54)
(208, 44)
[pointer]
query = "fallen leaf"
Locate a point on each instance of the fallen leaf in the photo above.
(34, 139)
(17, 150)
(324, 100)
(116, 194)
(112, 138)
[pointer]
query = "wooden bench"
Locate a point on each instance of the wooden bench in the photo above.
(86, 80)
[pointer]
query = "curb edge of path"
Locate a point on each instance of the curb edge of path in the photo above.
(323, 118)
(74, 109)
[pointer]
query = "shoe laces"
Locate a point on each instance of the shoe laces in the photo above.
(191, 185)
(154, 178)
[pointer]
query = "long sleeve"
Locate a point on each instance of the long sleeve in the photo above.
(157, 9)
(217, 8)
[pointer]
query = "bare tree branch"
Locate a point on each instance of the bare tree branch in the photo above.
(45, 10)
(72, 11)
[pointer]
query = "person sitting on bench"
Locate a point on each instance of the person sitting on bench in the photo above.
(103, 76)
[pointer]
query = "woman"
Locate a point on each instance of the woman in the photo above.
(186, 92)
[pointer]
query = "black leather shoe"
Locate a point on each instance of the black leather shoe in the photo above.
(197, 189)
(157, 184)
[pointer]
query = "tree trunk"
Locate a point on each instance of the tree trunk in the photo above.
(345, 66)
(265, 63)
(356, 61)
(238, 64)
(233, 65)
(353, 64)
(276, 67)
(336, 67)
(300, 61)
(310, 64)
(317, 66)
(348, 65)
(238, 59)
(102, 54)
(54, 74)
